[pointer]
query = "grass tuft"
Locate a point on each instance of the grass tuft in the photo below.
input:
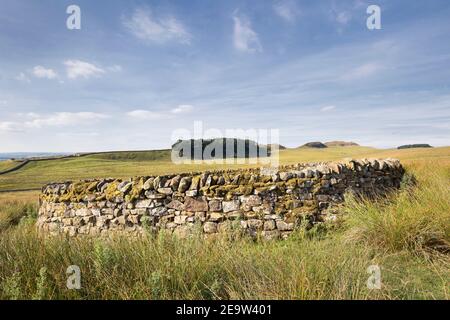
(416, 218)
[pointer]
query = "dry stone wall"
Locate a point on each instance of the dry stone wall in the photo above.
(261, 202)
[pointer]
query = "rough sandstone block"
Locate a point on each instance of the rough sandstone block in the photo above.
(192, 204)
(216, 217)
(283, 226)
(210, 227)
(229, 206)
(215, 205)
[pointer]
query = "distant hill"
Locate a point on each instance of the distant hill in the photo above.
(203, 149)
(340, 144)
(315, 144)
(28, 155)
(273, 145)
(137, 155)
(417, 145)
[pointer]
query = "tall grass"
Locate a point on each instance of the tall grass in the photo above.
(169, 268)
(416, 218)
(14, 211)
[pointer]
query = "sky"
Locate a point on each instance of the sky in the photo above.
(138, 71)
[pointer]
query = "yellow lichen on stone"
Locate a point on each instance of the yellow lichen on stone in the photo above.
(292, 183)
(195, 183)
(224, 190)
(111, 190)
(244, 190)
(135, 191)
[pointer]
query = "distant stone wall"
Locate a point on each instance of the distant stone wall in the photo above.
(262, 202)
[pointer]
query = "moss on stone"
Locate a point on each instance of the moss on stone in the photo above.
(310, 203)
(92, 187)
(136, 190)
(280, 208)
(259, 184)
(207, 191)
(292, 183)
(245, 189)
(195, 182)
(111, 190)
(262, 189)
(222, 191)
(289, 204)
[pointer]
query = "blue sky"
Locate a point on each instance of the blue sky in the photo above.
(138, 70)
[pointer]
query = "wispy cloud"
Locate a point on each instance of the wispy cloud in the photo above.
(363, 71)
(9, 126)
(115, 68)
(244, 37)
(57, 119)
(65, 119)
(46, 73)
(145, 26)
(184, 108)
(141, 114)
(287, 10)
(76, 69)
(22, 77)
(343, 17)
(327, 108)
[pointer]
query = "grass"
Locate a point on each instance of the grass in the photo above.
(316, 267)
(417, 217)
(8, 164)
(407, 236)
(22, 196)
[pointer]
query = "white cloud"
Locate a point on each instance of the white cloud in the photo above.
(28, 115)
(3, 102)
(145, 26)
(22, 77)
(89, 134)
(58, 119)
(343, 17)
(42, 72)
(184, 108)
(9, 126)
(144, 114)
(244, 38)
(77, 68)
(327, 108)
(141, 114)
(287, 10)
(115, 68)
(363, 71)
(64, 119)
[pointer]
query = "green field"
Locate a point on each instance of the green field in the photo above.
(406, 235)
(8, 164)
